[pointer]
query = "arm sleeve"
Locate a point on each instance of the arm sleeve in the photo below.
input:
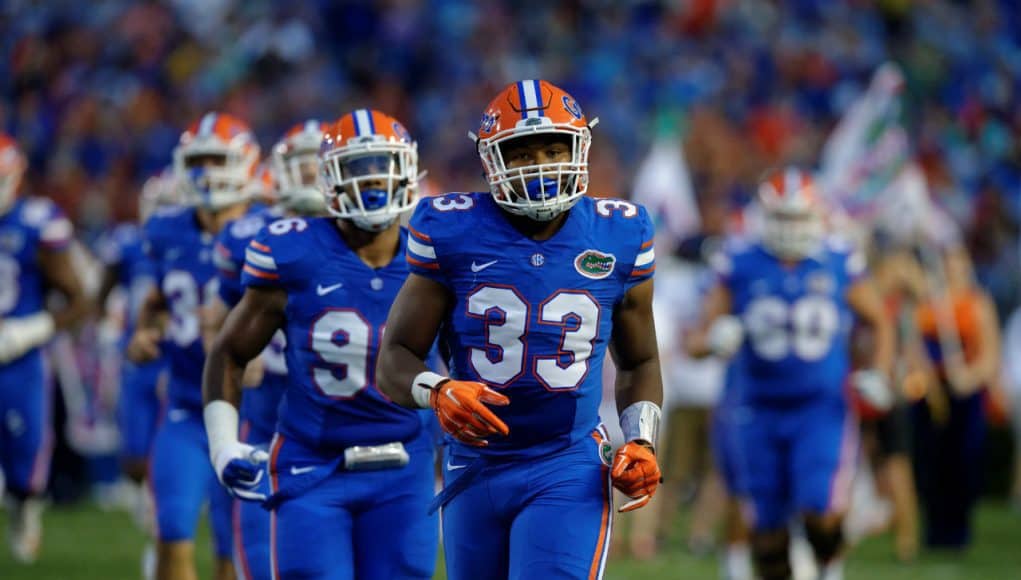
(645, 259)
(260, 265)
(422, 243)
(55, 231)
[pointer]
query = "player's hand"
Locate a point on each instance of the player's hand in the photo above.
(239, 468)
(725, 336)
(872, 387)
(636, 474)
(144, 345)
(462, 412)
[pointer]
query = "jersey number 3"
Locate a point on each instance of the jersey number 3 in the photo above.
(505, 315)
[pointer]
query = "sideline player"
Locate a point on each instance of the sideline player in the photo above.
(215, 162)
(294, 171)
(351, 473)
(528, 285)
(785, 307)
(34, 235)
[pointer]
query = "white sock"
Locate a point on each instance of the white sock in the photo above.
(737, 562)
(833, 571)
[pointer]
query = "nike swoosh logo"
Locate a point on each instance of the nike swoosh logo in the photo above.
(295, 470)
(324, 290)
(177, 415)
(480, 267)
(452, 467)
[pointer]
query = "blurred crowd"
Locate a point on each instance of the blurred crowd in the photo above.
(97, 92)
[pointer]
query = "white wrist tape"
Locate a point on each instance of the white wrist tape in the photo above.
(34, 330)
(641, 421)
(221, 419)
(423, 386)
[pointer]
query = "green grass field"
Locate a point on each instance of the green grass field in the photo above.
(84, 543)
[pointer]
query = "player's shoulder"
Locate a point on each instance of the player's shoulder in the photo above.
(289, 239)
(45, 220)
(443, 221)
(449, 209)
(287, 249)
(167, 220)
(35, 212)
(736, 253)
(238, 233)
(845, 255)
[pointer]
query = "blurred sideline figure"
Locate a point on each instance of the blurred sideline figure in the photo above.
(34, 258)
(950, 423)
(784, 307)
(215, 163)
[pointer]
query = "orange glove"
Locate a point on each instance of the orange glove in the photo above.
(460, 409)
(636, 474)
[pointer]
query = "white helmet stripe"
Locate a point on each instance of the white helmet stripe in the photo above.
(363, 122)
(529, 91)
(206, 124)
(312, 126)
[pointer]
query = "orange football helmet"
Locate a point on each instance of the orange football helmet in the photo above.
(792, 214)
(215, 161)
(296, 168)
(12, 169)
(369, 166)
(526, 108)
(158, 191)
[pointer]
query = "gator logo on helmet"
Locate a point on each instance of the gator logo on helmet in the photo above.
(594, 264)
(488, 121)
(572, 106)
(401, 132)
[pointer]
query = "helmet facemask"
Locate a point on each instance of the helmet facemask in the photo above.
(297, 177)
(215, 177)
(539, 191)
(792, 235)
(370, 183)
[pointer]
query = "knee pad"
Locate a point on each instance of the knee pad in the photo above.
(770, 553)
(826, 541)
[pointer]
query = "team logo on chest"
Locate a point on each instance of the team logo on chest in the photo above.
(594, 264)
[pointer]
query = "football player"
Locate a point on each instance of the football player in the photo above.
(126, 265)
(350, 472)
(528, 284)
(784, 306)
(294, 166)
(34, 237)
(214, 162)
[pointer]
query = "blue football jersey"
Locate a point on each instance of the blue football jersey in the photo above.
(258, 406)
(532, 319)
(796, 318)
(336, 309)
(122, 249)
(182, 257)
(30, 224)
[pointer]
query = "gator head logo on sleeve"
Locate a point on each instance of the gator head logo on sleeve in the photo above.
(594, 264)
